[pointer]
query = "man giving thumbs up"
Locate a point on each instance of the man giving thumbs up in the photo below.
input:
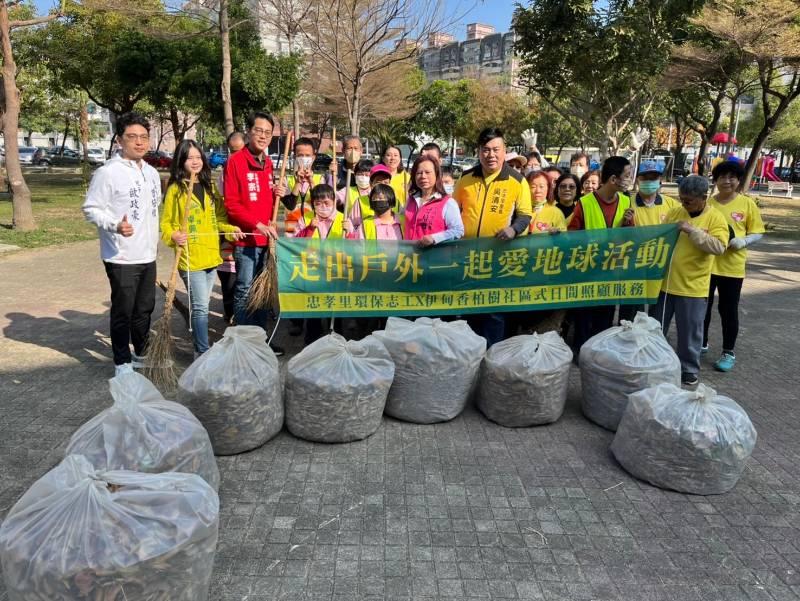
(122, 202)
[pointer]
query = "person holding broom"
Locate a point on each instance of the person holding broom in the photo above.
(207, 219)
(249, 198)
(122, 201)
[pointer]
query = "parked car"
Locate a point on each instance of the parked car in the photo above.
(217, 158)
(42, 156)
(98, 154)
(67, 157)
(158, 159)
(26, 154)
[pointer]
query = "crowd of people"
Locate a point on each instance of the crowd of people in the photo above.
(229, 224)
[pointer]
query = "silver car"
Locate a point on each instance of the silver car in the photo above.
(26, 154)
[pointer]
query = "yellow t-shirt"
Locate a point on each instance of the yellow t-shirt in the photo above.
(743, 216)
(656, 214)
(546, 216)
(399, 184)
(690, 271)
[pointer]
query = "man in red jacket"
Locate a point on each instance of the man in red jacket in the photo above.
(249, 198)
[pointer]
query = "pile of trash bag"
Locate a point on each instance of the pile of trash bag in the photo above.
(336, 389)
(78, 533)
(142, 432)
(692, 441)
(524, 380)
(436, 367)
(234, 389)
(623, 360)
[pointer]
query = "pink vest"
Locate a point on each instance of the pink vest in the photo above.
(425, 220)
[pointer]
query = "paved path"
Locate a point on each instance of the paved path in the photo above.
(462, 510)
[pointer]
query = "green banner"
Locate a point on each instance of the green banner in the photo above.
(320, 278)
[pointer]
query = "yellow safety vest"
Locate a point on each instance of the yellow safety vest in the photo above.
(337, 228)
(593, 218)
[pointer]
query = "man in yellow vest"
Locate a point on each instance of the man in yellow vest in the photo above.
(495, 200)
(299, 211)
(606, 207)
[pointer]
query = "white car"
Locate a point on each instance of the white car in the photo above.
(26, 154)
(98, 154)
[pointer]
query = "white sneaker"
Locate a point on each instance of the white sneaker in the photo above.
(125, 368)
(138, 361)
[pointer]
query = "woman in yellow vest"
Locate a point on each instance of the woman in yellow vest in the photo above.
(727, 275)
(383, 224)
(327, 224)
(393, 159)
(299, 185)
(547, 217)
(207, 218)
(356, 199)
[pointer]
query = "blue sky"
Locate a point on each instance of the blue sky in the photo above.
(491, 12)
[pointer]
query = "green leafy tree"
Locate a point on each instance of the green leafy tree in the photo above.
(598, 63)
(443, 109)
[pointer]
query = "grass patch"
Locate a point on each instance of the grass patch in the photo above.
(781, 216)
(57, 200)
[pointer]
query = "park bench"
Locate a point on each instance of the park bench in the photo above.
(779, 189)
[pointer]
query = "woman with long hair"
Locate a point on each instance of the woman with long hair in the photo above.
(393, 160)
(207, 219)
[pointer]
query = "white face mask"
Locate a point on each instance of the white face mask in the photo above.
(304, 162)
(448, 188)
(362, 182)
(323, 212)
(578, 171)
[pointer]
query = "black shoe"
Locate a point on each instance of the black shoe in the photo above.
(278, 350)
(689, 379)
(295, 329)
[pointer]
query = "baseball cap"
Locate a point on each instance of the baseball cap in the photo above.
(651, 167)
(513, 157)
(379, 169)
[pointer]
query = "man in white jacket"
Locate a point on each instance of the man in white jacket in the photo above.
(122, 202)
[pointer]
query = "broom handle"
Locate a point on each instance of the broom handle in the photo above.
(335, 164)
(282, 174)
(173, 278)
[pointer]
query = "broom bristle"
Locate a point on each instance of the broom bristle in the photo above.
(160, 368)
(264, 289)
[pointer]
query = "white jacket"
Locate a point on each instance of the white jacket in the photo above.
(118, 188)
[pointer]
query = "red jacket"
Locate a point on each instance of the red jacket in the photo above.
(248, 194)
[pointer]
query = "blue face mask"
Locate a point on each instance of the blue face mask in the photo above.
(648, 188)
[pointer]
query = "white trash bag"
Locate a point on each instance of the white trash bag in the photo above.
(81, 534)
(436, 366)
(524, 380)
(141, 432)
(623, 360)
(692, 441)
(234, 389)
(336, 389)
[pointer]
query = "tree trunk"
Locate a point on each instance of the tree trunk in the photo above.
(355, 113)
(177, 131)
(296, 117)
(225, 37)
(731, 125)
(84, 128)
(20, 193)
(66, 133)
(758, 144)
(701, 155)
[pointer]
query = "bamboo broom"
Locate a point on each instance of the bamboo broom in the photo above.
(264, 289)
(160, 365)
